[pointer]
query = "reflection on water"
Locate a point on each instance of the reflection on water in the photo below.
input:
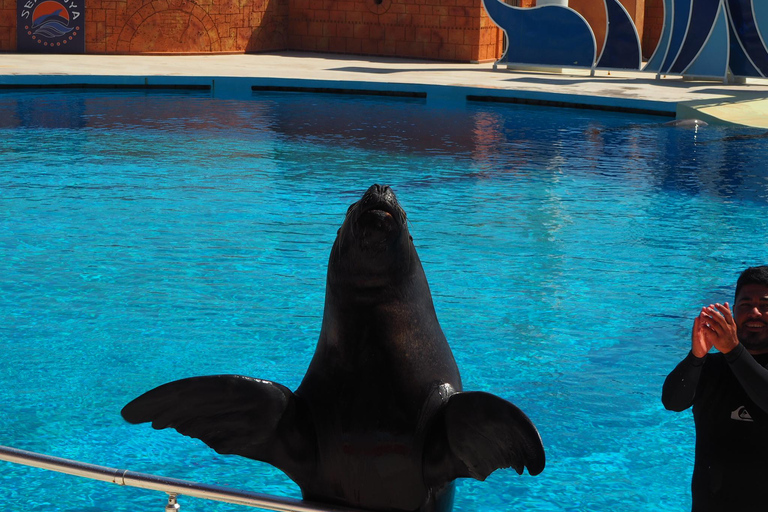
(149, 237)
(713, 160)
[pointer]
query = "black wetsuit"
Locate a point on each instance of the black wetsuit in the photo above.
(729, 394)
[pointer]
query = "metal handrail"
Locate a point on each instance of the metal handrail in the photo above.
(172, 486)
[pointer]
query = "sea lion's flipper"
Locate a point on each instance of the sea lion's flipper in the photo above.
(233, 415)
(475, 433)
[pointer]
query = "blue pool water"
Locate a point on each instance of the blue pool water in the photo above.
(146, 238)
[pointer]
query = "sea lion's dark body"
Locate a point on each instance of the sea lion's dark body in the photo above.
(379, 421)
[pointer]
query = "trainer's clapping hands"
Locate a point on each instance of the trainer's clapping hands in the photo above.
(714, 327)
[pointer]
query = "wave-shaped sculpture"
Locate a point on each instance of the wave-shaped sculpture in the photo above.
(749, 54)
(695, 39)
(550, 35)
(706, 38)
(700, 24)
(711, 60)
(739, 63)
(662, 48)
(555, 35)
(622, 43)
(679, 28)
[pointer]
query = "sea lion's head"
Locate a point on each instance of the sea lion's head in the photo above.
(373, 246)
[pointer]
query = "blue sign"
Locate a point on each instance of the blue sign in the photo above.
(50, 26)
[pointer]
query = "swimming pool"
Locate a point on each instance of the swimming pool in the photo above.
(146, 238)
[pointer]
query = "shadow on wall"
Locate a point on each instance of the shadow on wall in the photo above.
(270, 23)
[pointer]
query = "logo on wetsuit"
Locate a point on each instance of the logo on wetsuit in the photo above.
(741, 414)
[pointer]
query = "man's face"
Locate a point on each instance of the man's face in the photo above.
(751, 317)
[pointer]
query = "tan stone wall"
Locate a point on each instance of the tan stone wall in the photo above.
(7, 25)
(454, 30)
(175, 26)
(434, 29)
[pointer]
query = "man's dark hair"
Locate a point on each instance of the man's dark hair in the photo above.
(753, 275)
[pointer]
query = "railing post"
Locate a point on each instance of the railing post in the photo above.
(173, 504)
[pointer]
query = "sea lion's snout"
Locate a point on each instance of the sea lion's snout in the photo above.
(379, 215)
(379, 198)
(374, 226)
(379, 192)
(379, 205)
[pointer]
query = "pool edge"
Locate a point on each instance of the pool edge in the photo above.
(233, 87)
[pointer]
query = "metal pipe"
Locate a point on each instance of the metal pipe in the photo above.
(161, 483)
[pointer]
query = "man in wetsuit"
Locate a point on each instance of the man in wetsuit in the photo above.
(729, 394)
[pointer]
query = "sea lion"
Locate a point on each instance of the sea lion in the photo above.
(745, 136)
(379, 421)
(686, 123)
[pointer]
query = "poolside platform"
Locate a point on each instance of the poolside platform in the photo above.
(744, 104)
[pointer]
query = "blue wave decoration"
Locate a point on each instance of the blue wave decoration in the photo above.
(660, 53)
(704, 15)
(739, 62)
(744, 23)
(711, 60)
(53, 28)
(707, 38)
(680, 19)
(622, 43)
(549, 35)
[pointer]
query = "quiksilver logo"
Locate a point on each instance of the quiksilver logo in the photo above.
(741, 414)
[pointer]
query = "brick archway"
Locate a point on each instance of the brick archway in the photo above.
(177, 26)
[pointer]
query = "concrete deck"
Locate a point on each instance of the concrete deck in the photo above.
(235, 75)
